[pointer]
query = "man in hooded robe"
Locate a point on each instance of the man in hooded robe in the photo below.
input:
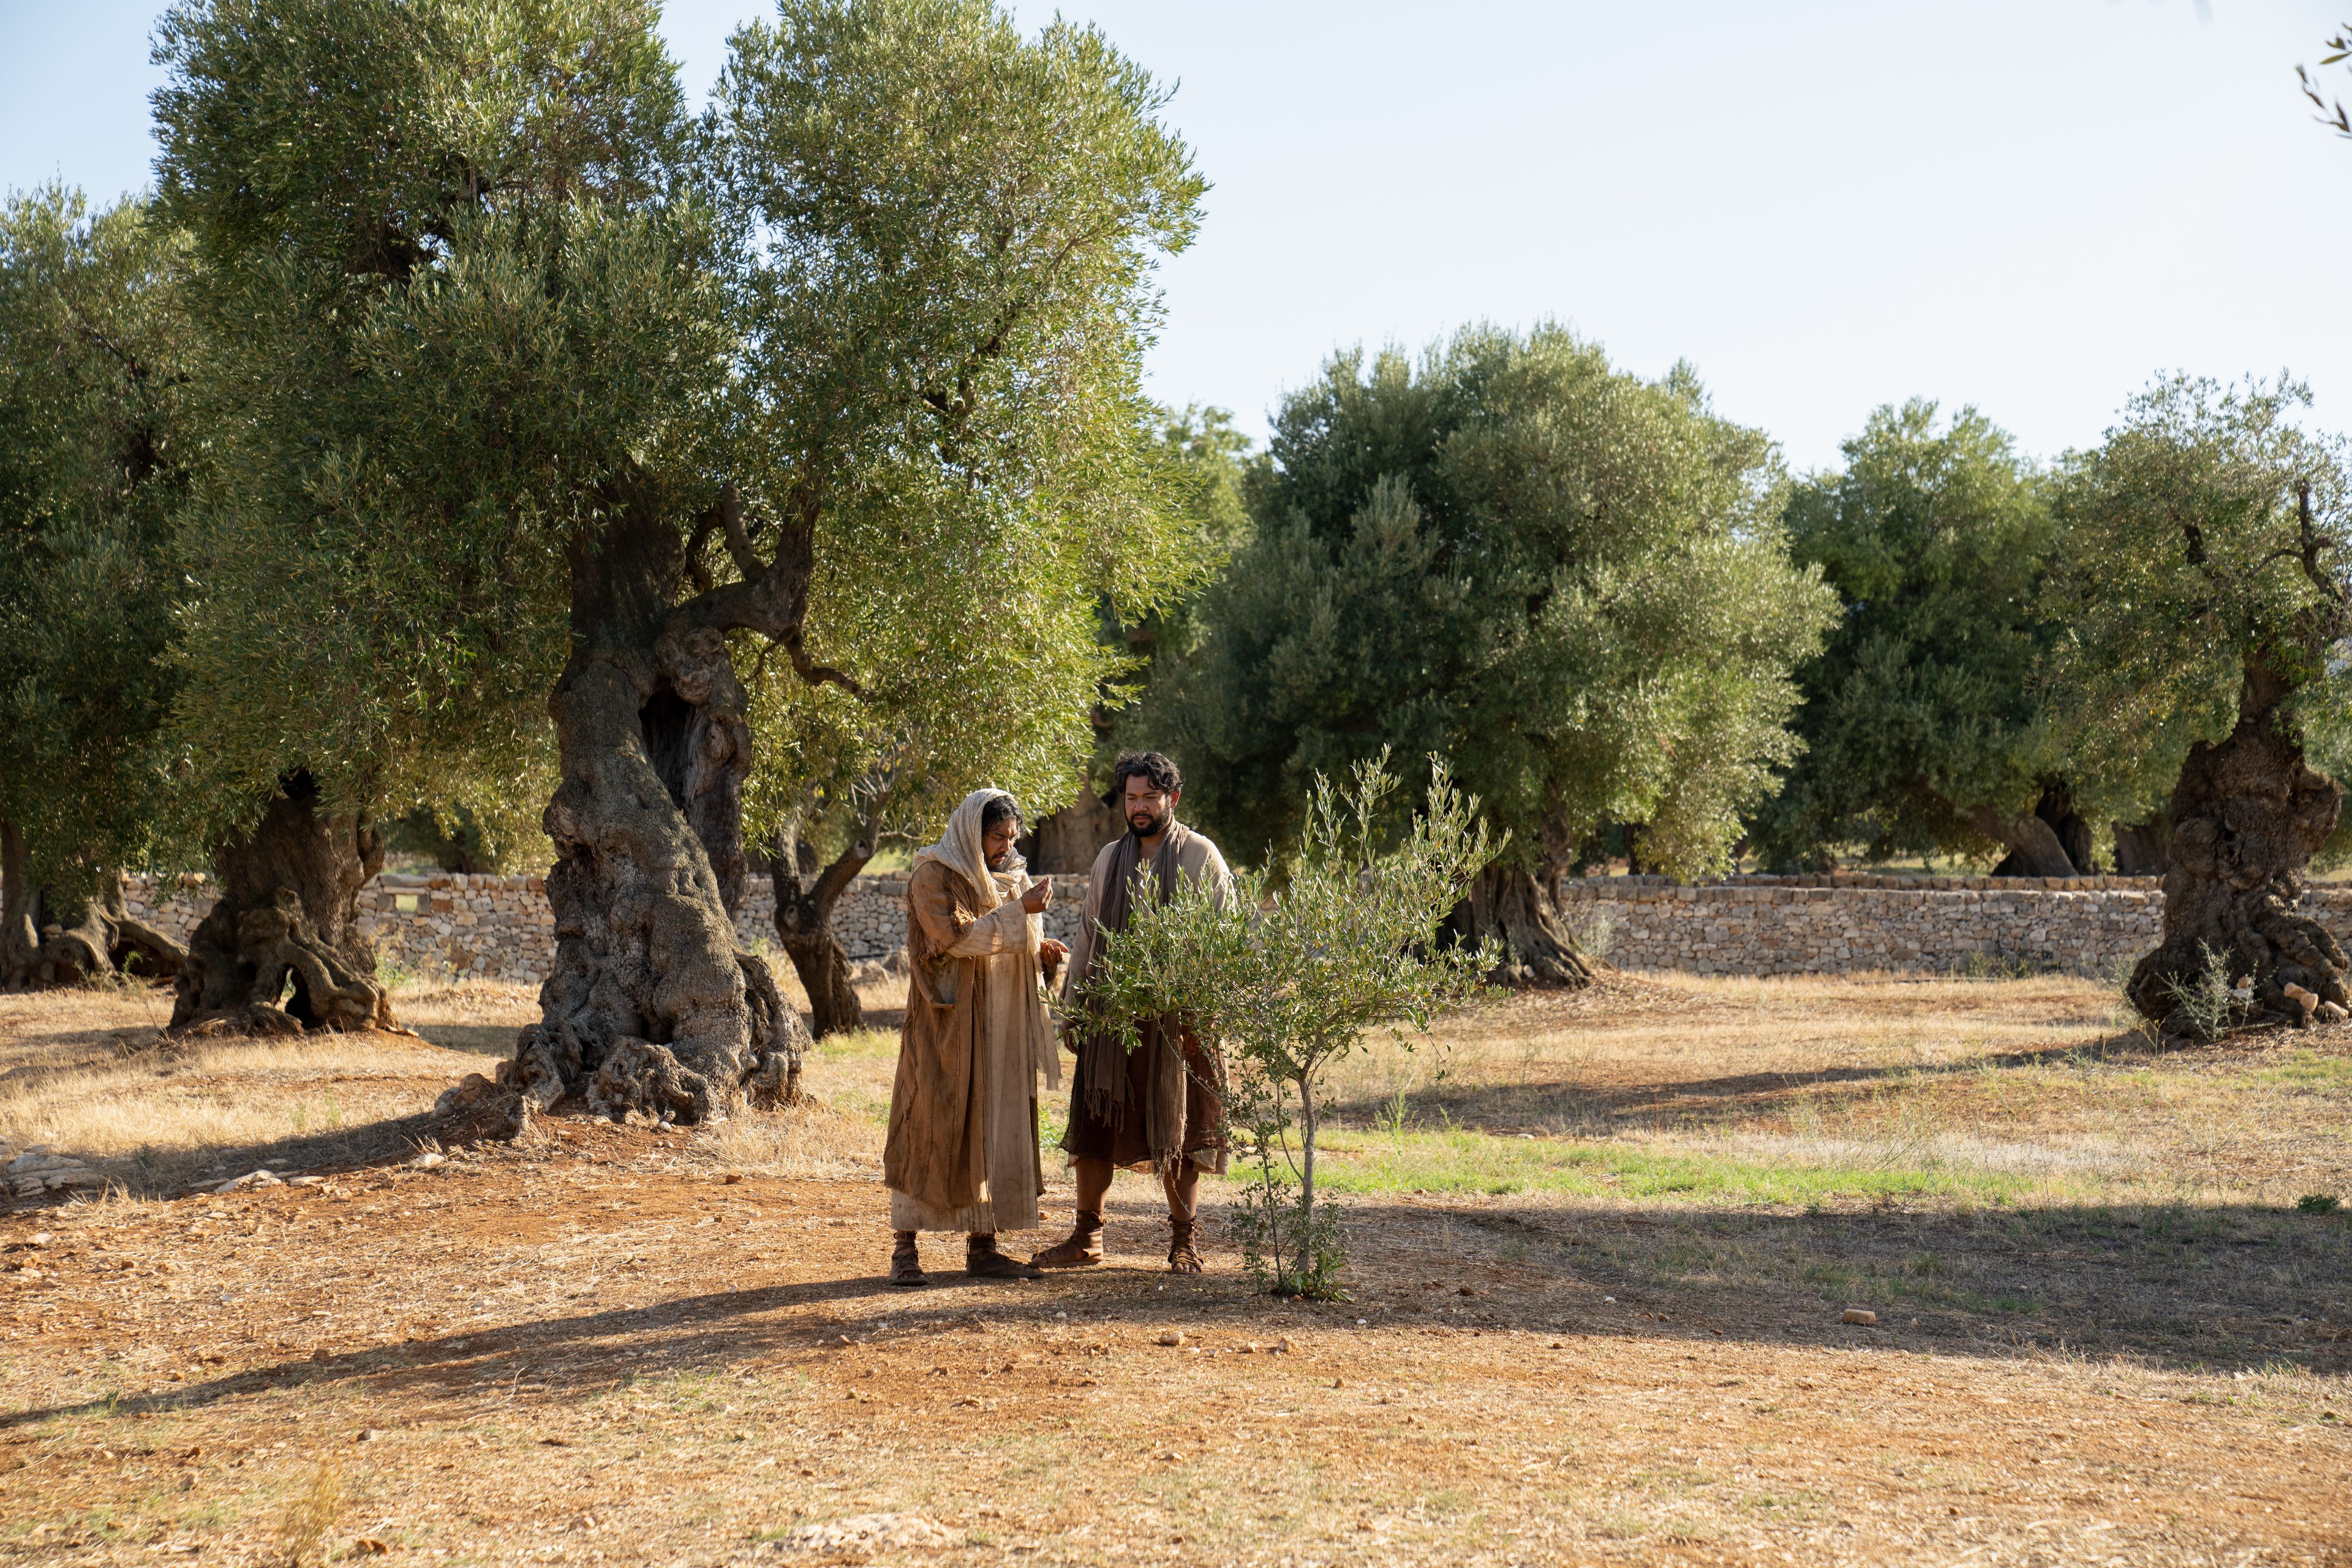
(963, 1149)
(1156, 1108)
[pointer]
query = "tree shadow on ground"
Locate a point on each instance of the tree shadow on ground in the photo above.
(2207, 1290)
(1565, 1105)
(2230, 1288)
(37, 1053)
(496, 1040)
(355, 1146)
(887, 1020)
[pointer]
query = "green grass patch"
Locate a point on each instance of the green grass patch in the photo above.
(2309, 1070)
(1462, 1160)
(857, 1045)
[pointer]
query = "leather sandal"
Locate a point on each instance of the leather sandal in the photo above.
(981, 1260)
(1181, 1257)
(906, 1264)
(1082, 1249)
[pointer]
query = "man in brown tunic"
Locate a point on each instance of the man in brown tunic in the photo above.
(1154, 1109)
(963, 1149)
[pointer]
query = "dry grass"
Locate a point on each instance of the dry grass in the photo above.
(2038, 1079)
(90, 1075)
(155, 1124)
(479, 1016)
(1602, 1245)
(303, 1531)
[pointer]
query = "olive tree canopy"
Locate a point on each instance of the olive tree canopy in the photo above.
(1570, 582)
(1925, 722)
(93, 461)
(2203, 584)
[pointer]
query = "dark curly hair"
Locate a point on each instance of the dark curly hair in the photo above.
(998, 808)
(1162, 773)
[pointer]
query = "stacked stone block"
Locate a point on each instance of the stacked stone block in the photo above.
(500, 927)
(1839, 924)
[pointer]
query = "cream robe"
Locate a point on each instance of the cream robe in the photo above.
(996, 954)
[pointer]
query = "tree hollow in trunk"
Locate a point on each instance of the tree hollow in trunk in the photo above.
(2247, 815)
(1517, 909)
(650, 1007)
(281, 951)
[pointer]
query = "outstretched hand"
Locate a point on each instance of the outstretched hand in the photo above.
(1051, 952)
(1040, 894)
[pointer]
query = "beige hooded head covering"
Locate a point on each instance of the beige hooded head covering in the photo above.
(959, 850)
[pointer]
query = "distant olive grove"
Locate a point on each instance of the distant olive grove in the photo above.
(1634, 635)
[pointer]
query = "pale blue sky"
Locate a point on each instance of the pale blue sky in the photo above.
(2030, 204)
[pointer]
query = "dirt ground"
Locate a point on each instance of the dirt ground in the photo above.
(1602, 1248)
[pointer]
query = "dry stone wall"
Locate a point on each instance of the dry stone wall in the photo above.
(500, 927)
(1839, 925)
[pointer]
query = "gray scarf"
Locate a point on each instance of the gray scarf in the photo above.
(1102, 1058)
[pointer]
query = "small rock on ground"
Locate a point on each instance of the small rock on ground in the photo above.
(40, 1170)
(871, 1532)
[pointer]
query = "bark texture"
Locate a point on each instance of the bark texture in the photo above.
(1518, 910)
(650, 1008)
(1066, 841)
(806, 896)
(2246, 818)
(46, 941)
(699, 745)
(281, 951)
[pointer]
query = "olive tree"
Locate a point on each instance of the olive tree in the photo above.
(2204, 586)
(1925, 721)
(94, 456)
(1569, 581)
(450, 332)
(557, 398)
(937, 241)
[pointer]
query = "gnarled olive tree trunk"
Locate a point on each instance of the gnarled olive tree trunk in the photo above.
(2247, 815)
(281, 951)
(47, 942)
(651, 1007)
(806, 896)
(1517, 909)
(2050, 840)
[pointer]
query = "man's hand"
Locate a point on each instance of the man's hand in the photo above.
(1051, 952)
(1039, 895)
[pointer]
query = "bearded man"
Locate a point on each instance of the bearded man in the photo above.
(1156, 1108)
(963, 1149)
